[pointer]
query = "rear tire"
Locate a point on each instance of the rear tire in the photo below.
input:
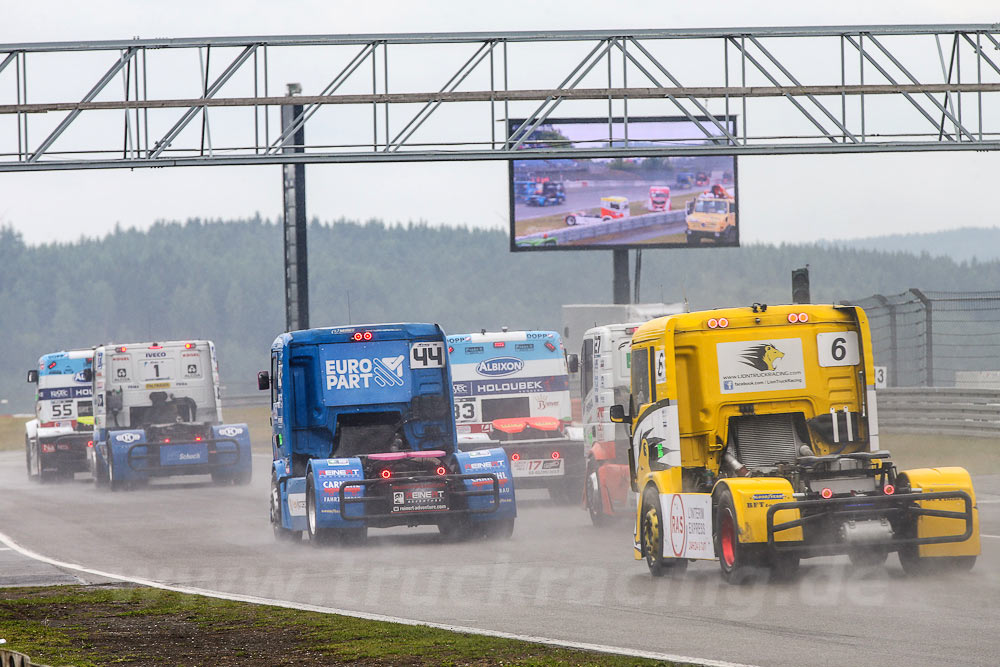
(594, 496)
(651, 539)
(735, 559)
(915, 566)
(570, 220)
(499, 530)
(320, 536)
(113, 484)
(28, 459)
(454, 529)
(281, 533)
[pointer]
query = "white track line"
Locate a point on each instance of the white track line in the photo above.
(992, 537)
(253, 599)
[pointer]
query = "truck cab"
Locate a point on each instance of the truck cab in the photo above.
(605, 362)
(659, 198)
(754, 441)
(547, 193)
(712, 215)
(158, 413)
(363, 436)
(613, 208)
(56, 440)
(512, 389)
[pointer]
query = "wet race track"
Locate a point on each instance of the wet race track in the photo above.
(558, 577)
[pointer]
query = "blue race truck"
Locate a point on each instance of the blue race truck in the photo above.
(363, 436)
(56, 440)
(158, 412)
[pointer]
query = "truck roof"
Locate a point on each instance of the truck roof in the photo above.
(344, 334)
(743, 317)
(489, 336)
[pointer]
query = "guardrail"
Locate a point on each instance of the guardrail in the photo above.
(942, 410)
(616, 226)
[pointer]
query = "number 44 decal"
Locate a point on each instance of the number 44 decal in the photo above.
(427, 355)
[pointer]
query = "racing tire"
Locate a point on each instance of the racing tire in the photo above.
(570, 220)
(100, 474)
(915, 566)
(27, 456)
(736, 560)
(594, 496)
(693, 240)
(281, 534)
(871, 557)
(113, 484)
(243, 477)
(320, 536)
(501, 529)
(454, 529)
(651, 539)
(220, 478)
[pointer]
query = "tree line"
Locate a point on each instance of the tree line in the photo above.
(223, 280)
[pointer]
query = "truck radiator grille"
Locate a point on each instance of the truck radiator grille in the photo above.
(766, 440)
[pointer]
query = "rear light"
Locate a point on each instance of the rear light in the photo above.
(121, 348)
(515, 457)
(52, 365)
(451, 350)
(826, 493)
(441, 470)
(793, 318)
(197, 438)
(550, 347)
(630, 330)
(154, 346)
(555, 455)
(386, 473)
(888, 489)
(723, 323)
(358, 336)
(713, 323)
(368, 335)
(48, 449)
(188, 346)
(499, 344)
(803, 317)
(167, 440)
(90, 443)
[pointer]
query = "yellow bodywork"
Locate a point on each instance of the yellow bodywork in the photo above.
(752, 497)
(714, 223)
(932, 480)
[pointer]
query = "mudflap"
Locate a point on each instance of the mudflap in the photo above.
(224, 434)
(327, 476)
(120, 444)
(488, 461)
(939, 480)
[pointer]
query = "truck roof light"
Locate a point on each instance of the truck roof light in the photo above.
(555, 455)
(52, 365)
(515, 457)
(630, 330)
(793, 318)
(357, 336)
(723, 323)
(368, 335)
(167, 440)
(499, 343)
(550, 347)
(188, 346)
(121, 348)
(197, 438)
(441, 470)
(803, 317)
(451, 350)
(155, 346)
(888, 489)
(90, 443)
(386, 473)
(713, 323)
(827, 493)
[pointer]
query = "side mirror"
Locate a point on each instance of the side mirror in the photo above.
(33, 376)
(618, 416)
(573, 363)
(263, 380)
(88, 375)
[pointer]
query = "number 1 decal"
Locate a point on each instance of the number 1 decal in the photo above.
(427, 355)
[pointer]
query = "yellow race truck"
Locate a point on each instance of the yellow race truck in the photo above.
(712, 215)
(754, 441)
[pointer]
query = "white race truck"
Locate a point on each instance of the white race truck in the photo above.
(56, 440)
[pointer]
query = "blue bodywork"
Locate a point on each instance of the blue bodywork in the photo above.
(364, 436)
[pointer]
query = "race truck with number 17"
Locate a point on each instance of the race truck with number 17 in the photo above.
(158, 413)
(755, 442)
(512, 389)
(363, 437)
(55, 441)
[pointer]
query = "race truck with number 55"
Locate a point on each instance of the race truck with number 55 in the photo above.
(754, 441)
(55, 441)
(158, 412)
(363, 436)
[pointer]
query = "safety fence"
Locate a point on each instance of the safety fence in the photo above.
(936, 339)
(940, 410)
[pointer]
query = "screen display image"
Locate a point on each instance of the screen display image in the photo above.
(624, 202)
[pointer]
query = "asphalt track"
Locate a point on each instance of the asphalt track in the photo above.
(581, 199)
(558, 577)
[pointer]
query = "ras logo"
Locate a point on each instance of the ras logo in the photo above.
(498, 366)
(762, 357)
(127, 438)
(230, 431)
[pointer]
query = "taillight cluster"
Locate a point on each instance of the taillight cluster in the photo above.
(361, 335)
(718, 323)
(798, 318)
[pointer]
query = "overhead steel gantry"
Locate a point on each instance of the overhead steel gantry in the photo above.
(432, 97)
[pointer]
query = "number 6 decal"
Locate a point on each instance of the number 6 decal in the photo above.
(838, 348)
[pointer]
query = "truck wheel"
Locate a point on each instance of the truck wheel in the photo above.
(594, 496)
(320, 536)
(281, 533)
(499, 530)
(914, 565)
(652, 539)
(243, 477)
(570, 220)
(113, 484)
(454, 529)
(693, 240)
(735, 559)
(27, 455)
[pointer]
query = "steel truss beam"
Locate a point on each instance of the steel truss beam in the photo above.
(554, 72)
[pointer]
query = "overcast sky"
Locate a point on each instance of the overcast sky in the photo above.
(784, 198)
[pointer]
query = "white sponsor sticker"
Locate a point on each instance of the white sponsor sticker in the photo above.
(687, 525)
(537, 467)
(775, 364)
(838, 348)
(661, 366)
(881, 372)
(297, 504)
(427, 355)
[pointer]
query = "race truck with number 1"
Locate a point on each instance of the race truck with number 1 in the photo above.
(158, 413)
(363, 436)
(754, 441)
(55, 441)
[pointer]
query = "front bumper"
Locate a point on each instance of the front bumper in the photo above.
(149, 458)
(901, 510)
(383, 502)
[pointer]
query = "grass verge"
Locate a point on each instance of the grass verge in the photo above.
(120, 624)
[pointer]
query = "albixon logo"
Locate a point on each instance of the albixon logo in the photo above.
(498, 366)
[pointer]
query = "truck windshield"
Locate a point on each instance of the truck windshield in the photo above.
(710, 206)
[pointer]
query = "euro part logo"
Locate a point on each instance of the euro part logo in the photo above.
(762, 357)
(362, 373)
(499, 366)
(230, 431)
(127, 438)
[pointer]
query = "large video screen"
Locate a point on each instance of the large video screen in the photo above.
(623, 202)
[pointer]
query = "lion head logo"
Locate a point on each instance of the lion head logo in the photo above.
(762, 357)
